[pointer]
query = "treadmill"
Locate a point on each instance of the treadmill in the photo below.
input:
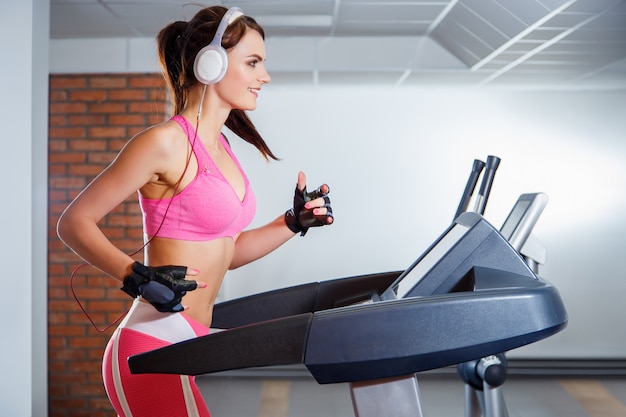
(468, 296)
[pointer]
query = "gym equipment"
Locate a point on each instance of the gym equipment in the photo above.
(484, 377)
(469, 296)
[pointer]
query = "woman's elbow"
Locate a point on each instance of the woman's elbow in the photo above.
(66, 227)
(62, 227)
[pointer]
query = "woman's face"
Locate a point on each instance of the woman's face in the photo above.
(246, 72)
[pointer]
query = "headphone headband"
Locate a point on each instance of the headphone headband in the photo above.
(229, 17)
(211, 62)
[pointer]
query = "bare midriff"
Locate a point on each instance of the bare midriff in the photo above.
(211, 258)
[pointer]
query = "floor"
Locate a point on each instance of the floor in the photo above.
(442, 395)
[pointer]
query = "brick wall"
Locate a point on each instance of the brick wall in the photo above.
(91, 118)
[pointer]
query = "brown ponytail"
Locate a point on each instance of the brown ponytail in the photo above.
(239, 122)
(168, 40)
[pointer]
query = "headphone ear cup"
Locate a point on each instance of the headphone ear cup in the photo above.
(210, 64)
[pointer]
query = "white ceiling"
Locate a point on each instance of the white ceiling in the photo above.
(557, 43)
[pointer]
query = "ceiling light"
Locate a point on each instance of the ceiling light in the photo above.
(295, 20)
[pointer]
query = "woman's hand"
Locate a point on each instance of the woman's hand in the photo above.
(310, 209)
(162, 286)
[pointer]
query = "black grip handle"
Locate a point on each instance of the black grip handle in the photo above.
(485, 187)
(477, 168)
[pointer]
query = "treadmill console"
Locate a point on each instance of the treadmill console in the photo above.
(448, 264)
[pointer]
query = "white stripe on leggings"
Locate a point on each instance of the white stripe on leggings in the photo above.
(117, 378)
(190, 401)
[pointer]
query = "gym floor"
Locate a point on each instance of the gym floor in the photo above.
(442, 395)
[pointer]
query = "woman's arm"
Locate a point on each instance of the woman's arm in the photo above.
(256, 243)
(136, 165)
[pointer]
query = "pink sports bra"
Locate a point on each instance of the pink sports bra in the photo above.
(207, 208)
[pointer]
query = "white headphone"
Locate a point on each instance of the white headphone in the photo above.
(211, 62)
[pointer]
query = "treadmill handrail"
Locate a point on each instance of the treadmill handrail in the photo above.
(299, 299)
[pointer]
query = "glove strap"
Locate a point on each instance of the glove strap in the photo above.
(135, 279)
(293, 224)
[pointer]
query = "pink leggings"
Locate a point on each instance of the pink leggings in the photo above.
(151, 395)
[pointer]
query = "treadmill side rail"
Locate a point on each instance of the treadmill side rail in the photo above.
(275, 342)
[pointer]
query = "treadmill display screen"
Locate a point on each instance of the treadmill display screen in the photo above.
(428, 260)
(512, 221)
(522, 218)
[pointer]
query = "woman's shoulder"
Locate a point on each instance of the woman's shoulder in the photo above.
(164, 137)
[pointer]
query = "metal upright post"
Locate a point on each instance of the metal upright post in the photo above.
(472, 402)
(494, 401)
(397, 397)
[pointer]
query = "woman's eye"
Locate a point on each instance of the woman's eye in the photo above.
(254, 63)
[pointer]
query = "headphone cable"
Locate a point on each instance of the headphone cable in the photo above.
(176, 189)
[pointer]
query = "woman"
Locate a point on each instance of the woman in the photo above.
(196, 201)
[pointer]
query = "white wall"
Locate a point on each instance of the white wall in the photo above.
(397, 160)
(23, 168)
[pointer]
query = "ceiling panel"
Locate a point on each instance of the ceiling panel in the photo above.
(459, 35)
(381, 12)
(363, 28)
(543, 34)
(86, 20)
(454, 41)
(528, 11)
(284, 8)
(496, 14)
(597, 6)
(482, 25)
(147, 19)
(554, 4)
